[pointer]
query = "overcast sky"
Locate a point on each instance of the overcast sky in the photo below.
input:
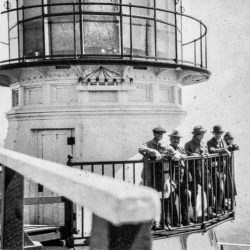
(225, 98)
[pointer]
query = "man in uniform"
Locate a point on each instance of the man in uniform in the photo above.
(196, 147)
(180, 176)
(151, 150)
(152, 172)
(216, 145)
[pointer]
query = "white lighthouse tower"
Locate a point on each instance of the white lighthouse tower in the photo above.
(92, 78)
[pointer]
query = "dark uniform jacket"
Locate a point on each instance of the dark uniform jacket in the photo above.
(195, 146)
(178, 166)
(213, 145)
(149, 176)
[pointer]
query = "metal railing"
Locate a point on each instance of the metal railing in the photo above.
(196, 194)
(119, 208)
(164, 36)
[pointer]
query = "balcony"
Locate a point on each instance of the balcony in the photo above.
(88, 32)
(117, 205)
(202, 190)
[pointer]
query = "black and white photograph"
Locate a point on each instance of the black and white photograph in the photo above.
(124, 124)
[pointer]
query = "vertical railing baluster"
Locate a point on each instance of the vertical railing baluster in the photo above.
(80, 20)
(233, 184)
(176, 37)
(82, 211)
(201, 45)
(123, 172)
(113, 170)
(187, 187)
(181, 16)
(207, 186)
(224, 183)
(195, 53)
(179, 194)
(216, 183)
(23, 33)
(219, 184)
(18, 30)
(195, 191)
(131, 32)
(134, 173)
(74, 29)
(50, 38)
(102, 169)
(228, 180)
(162, 195)
(211, 183)
(121, 28)
(171, 174)
(154, 175)
(155, 30)
(206, 51)
(43, 29)
(145, 166)
(92, 168)
(202, 190)
(8, 21)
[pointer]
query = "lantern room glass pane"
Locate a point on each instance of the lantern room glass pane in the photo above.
(62, 35)
(33, 38)
(63, 6)
(100, 7)
(100, 34)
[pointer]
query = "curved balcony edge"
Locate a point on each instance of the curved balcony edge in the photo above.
(200, 73)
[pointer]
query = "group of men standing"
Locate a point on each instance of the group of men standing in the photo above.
(178, 180)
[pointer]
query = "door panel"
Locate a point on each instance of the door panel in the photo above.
(52, 146)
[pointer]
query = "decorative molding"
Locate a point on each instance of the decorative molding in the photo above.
(165, 93)
(32, 96)
(143, 93)
(106, 88)
(103, 96)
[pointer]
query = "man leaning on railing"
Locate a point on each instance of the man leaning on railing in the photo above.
(152, 172)
(216, 145)
(195, 147)
(180, 176)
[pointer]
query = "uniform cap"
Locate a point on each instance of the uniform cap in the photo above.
(175, 133)
(159, 129)
(198, 130)
(217, 129)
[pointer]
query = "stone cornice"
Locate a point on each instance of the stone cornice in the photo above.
(159, 111)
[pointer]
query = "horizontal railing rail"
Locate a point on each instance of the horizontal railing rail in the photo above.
(115, 204)
(224, 244)
(188, 45)
(196, 194)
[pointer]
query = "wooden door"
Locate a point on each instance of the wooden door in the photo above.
(52, 145)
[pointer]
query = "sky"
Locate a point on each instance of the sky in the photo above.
(224, 99)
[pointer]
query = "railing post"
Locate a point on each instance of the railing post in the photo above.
(80, 20)
(43, 29)
(12, 236)
(176, 38)
(68, 215)
(131, 32)
(206, 51)
(201, 45)
(202, 191)
(121, 28)
(195, 53)
(107, 236)
(74, 28)
(23, 33)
